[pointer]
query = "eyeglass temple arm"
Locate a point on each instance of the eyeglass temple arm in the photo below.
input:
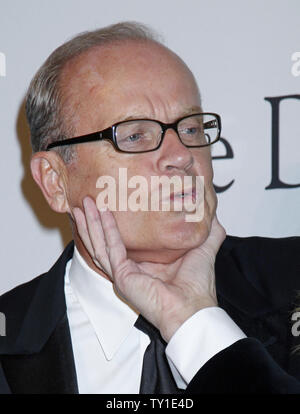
(94, 136)
(211, 124)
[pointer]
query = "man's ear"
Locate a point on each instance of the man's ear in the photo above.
(49, 172)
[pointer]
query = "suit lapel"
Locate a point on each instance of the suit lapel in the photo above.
(36, 353)
(50, 371)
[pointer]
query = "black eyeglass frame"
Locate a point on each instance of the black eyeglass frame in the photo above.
(110, 134)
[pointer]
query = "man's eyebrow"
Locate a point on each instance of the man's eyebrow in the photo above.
(188, 111)
(192, 110)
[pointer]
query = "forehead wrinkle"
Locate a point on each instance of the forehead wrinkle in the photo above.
(136, 113)
(165, 106)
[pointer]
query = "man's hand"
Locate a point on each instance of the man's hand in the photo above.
(165, 294)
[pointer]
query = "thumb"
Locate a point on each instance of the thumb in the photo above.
(216, 236)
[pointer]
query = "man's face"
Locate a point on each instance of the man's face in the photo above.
(137, 80)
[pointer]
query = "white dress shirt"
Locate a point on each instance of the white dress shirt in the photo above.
(109, 350)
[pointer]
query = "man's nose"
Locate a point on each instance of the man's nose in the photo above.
(173, 154)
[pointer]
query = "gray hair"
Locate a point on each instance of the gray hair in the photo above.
(44, 97)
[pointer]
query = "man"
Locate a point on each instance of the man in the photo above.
(117, 99)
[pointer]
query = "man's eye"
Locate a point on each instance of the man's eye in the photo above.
(190, 131)
(134, 137)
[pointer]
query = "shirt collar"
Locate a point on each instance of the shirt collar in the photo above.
(111, 317)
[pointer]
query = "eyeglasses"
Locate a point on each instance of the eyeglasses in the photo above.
(145, 135)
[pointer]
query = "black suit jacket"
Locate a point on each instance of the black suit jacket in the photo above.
(257, 280)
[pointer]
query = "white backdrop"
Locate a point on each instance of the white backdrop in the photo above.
(240, 53)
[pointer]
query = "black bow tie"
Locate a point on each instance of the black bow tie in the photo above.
(157, 377)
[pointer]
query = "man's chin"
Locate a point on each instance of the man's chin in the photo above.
(162, 256)
(171, 242)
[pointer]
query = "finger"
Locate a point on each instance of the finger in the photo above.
(95, 231)
(115, 246)
(216, 236)
(80, 221)
(82, 229)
